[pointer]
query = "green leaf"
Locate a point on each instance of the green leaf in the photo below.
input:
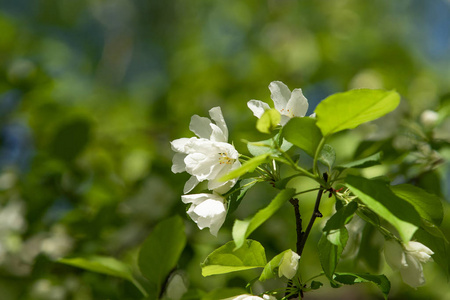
(242, 229)
(428, 206)
(269, 269)
(104, 265)
(341, 217)
(238, 192)
(268, 121)
(71, 139)
(363, 163)
(267, 146)
(225, 259)
(303, 133)
(350, 278)
(441, 250)
(315, 285)
(330, 248)
(379, 198)
(327, 156)
(249, 166)
(349, 109)
(161, 250)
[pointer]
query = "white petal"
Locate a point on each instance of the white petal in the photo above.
(297, 104)
(217, 116)
(289, 264)
(394, 255)
(413, 273)
(258, 107)
(179, 145)
(190, 184)
(280, 95)
(217, 134)
(178, 164)
(200, 126)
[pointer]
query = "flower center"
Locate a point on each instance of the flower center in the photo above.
(224, 159)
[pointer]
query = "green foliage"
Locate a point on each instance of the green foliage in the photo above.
(271, 267)
(242, 229)
(161, 250)
(380, 280)
(227, 258)
(104, 265)
(249, 166)
(349, 109)
(303, 133)
(268, 121)
(379, 198)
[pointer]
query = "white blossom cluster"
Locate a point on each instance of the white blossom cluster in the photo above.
(408, 259)
(209, 156)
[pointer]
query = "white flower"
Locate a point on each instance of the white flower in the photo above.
(289, 264)
(408, 259)
(176, 287)
(429, 118)
(288, 104)
(207, 210)
(208, 157)
(251, 297)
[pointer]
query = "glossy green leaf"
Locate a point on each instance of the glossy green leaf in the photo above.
(161, 250)
(268, 121)
(249, 166)
(237, 193)
(349, 109)
(271, 267)
(440, 248)
(366, 162)
(429, 206)
(341, 217)
(242, 229)
(380, 280)
(379, 198)
(104, 265)
(267, 146)
(327, 156)
(330, 247)
(226, 259)
(303, 133)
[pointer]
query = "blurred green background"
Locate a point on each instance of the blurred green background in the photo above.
(91, 93)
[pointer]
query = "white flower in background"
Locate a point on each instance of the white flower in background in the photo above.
(289, 264)
(207, 210)
(208, 157)
(288, 104)
(251, 297)
(176, 287)
(408, 259)
(429, 118)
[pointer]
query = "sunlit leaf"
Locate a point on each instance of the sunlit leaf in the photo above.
(226, 259)
(249, 166)
(268, 121)
(271, 266)
(303, 133)
(366, 162)
(349, 109)
(379, 198)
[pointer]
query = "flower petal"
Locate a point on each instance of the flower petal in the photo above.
(297, 104)
(217, 116)
(190, 184)
(258, 107)
(178, 164)
(179, 145)
(412, 275)
(394, 255)
(200, 126)
(280, 95)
